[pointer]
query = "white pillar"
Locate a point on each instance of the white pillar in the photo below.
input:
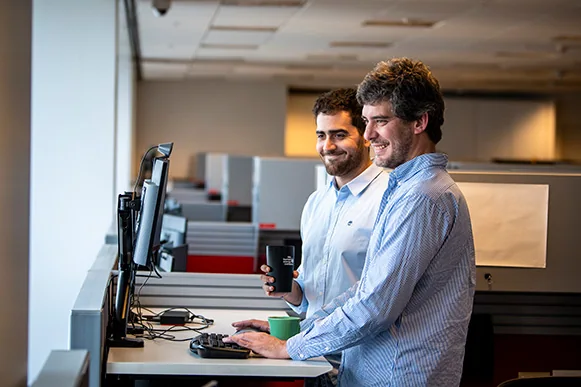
(126, 82)
(74, 48)
(15, 35)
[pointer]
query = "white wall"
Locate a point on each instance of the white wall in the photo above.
(474, 129)
(481, 129)
(245, 118)
(15, 33)
(73, 165)
(300, 138)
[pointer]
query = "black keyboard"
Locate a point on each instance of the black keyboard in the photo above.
(210, 345)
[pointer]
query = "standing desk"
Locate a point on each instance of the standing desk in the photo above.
(169, 358)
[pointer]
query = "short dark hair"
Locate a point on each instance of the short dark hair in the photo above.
(411, 89)
(341, 100)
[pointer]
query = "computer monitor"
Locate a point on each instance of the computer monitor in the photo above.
(147, 241)
(139, 242)
(173, 230)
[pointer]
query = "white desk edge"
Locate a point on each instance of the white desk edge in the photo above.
(162, 357)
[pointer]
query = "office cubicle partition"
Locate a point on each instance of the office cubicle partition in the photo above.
(280, 189)
(90, 313)
(563, 263)
(64, 368)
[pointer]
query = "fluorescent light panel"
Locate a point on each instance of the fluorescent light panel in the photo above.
(263, 3)
(567, 39)
(327, 57)
(526, 54)
(404, 22)
(360, 44)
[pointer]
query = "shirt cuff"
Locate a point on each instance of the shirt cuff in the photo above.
(303, 306)
(293, 348)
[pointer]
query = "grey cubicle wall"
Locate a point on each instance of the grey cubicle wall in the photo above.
(280, 189)
(90, 313)
(207, 291)
(204, 211)
(237, 180)
(563, 269)
(214, 171)
(64, 369)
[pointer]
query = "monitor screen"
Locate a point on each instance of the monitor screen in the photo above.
(173, 230)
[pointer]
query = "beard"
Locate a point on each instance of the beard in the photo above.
(400, 151)
(343, 167)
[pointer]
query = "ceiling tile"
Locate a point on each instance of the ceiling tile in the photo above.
(253, 16)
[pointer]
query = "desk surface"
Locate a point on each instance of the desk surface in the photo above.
(163, 357)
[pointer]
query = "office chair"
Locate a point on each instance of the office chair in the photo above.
(546, 381)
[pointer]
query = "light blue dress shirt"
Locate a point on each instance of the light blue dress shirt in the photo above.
(405, 322)
(336, 225)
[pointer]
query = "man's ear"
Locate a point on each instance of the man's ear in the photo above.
(421, 124)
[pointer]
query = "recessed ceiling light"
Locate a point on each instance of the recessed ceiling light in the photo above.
(567, 39)
(308, 67)
(244, 28)
(263, 3)
(229, 46)
(404, 22)
(328, 57)
(165, 61)
(526, 54)
(360, 44)
(227, 59)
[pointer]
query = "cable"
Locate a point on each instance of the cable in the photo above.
(152, 333)
(141, 169)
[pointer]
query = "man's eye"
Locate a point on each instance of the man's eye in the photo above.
(320, 135)
(340, 135)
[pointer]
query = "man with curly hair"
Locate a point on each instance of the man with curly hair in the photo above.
(405, 322)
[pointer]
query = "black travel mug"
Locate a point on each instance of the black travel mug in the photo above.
(281, 260)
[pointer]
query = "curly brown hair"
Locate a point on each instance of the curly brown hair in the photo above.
(341, 100)
(411, 89)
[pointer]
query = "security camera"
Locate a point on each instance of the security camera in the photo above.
(160, 7)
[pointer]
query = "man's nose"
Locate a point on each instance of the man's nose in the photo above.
(328, 145)
(369, 133)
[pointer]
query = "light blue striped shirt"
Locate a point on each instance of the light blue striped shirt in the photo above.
(336, 225)
(405, 322)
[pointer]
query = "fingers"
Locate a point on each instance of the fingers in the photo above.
(295, 274)
(231, 339)
(265, 268)
(268, 289)
(242, 324)
(254, 323)
(266, 279)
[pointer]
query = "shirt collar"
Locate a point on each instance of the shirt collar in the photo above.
(410, 168)
(358, 184)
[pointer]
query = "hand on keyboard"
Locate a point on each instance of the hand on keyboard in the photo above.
(210, 345)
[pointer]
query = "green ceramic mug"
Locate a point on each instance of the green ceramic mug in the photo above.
(284, 327)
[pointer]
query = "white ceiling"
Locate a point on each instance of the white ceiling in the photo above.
(516, 45)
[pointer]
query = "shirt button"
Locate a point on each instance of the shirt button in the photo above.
(301, 356)
(320, 293)
(326, 348)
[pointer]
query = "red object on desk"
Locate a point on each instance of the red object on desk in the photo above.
(220, 264)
